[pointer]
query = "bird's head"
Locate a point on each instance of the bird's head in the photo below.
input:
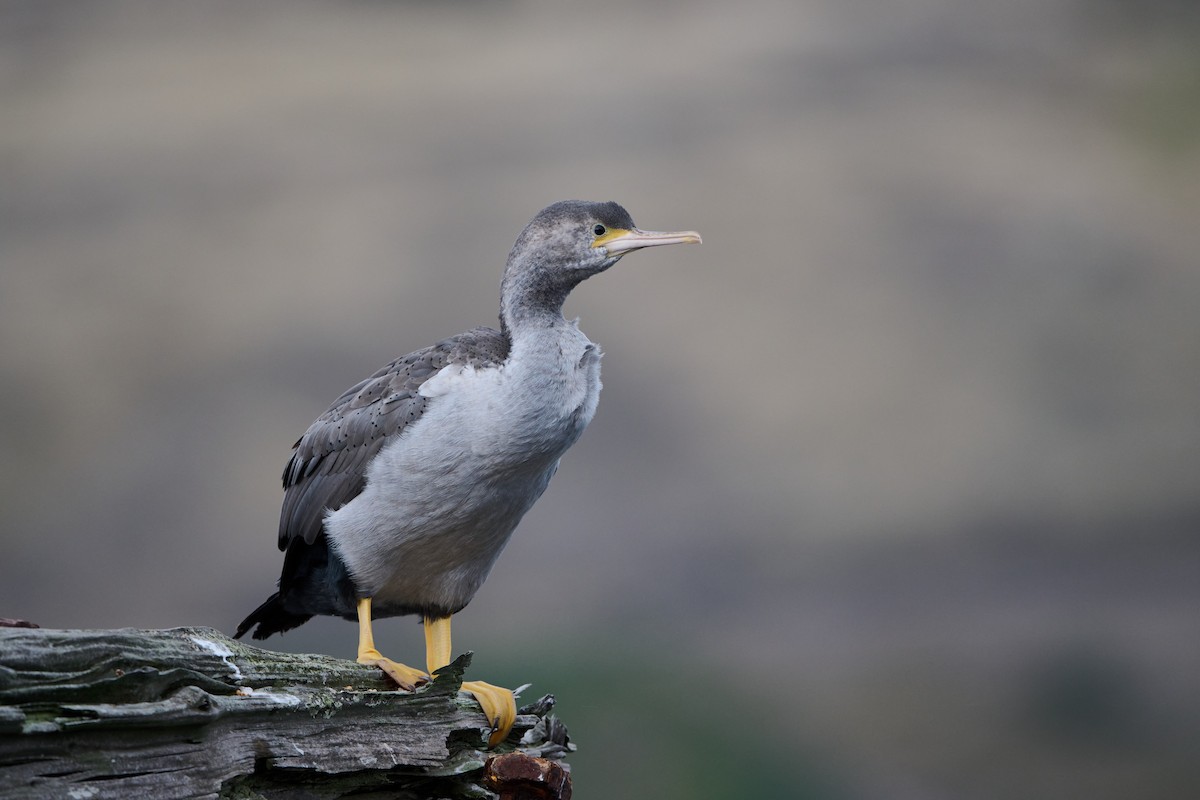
(568, 242)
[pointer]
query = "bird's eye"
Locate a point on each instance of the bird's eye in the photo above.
(598, 230)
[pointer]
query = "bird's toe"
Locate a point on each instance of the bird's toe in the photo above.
(498, 705)
(406, 677)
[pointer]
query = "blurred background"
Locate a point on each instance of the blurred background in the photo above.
(894, 487)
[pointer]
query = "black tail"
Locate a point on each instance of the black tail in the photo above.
(271, 617)
(314, 581)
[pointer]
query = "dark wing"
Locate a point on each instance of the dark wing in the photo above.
(329, 465)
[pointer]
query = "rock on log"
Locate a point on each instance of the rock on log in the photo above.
(188, 712)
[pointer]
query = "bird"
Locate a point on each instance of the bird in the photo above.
(400, 497)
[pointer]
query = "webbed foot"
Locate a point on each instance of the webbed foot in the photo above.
(498, 705)
(406, 677)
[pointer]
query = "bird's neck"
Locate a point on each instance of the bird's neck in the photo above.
(530, 302)
(521, 318)
(535, 328)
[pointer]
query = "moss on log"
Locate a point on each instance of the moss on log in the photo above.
(188, 712)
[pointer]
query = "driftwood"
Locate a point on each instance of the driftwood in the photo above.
(188, 712)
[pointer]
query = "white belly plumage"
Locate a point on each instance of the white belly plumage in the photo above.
(442, 500)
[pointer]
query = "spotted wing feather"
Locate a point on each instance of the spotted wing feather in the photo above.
(329, 463)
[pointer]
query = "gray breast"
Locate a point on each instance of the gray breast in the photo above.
(442, 499)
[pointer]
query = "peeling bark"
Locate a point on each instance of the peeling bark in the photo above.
(190, 713)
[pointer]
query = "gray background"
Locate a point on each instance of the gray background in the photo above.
(893, 487)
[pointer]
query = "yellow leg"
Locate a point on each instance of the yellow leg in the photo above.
(406, 677)
(497, 703)
(437, 643)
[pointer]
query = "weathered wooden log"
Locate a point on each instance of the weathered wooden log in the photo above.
(190, 713)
